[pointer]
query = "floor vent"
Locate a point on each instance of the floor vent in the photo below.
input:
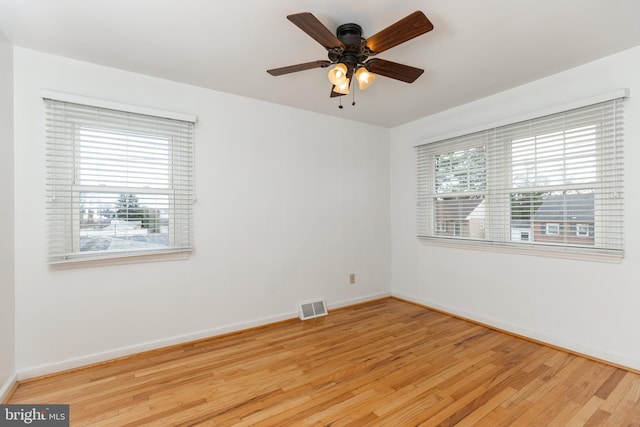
(311, 309)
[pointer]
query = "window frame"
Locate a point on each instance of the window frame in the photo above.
(500, 194)
(555, 226)
(64, 246)
(587, 228)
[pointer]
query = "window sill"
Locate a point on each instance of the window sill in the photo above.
(121, 259)
(573, 253)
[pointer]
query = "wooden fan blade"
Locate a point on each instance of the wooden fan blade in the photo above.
(299, 67)
(312, 26)
(393, 70)
(405, 29)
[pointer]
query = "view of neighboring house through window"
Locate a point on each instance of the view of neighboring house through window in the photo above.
(118, 183)
(460, 186)
(554, 181)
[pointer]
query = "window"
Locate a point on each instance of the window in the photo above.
(552, 229)
(551, 183)
(441, 227)
(118, 183)
(582, 230)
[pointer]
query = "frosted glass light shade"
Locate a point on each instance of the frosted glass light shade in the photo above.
(365, 78)
(338, 74)
(342, 88)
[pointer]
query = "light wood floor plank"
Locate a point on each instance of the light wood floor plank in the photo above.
(383, 363)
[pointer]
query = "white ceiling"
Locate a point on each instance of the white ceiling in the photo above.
(477, 48)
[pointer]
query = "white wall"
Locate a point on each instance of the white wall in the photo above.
(7, 300)
(289, 203)
(588, 307)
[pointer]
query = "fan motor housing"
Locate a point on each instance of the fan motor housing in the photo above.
(354, 47)
(349, 34)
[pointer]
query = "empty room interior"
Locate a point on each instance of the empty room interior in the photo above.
(320, 213)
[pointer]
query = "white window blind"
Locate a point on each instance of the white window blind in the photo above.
(118, 183)
(551, 183)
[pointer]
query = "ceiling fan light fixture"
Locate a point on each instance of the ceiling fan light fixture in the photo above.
(348, 51)
(342, 88)
(338, 74)
(365, 78)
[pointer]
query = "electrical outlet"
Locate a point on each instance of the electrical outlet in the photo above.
(352, 278)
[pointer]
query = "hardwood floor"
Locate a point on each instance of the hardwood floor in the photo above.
(384, 363)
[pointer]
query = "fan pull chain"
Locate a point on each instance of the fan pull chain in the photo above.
(353, 103)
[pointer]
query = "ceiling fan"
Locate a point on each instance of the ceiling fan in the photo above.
(351, 53)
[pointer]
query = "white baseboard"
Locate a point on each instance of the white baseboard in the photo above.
(150, 345)
(553, 341)
(77, 362)
(359, 300)
(7, 387)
